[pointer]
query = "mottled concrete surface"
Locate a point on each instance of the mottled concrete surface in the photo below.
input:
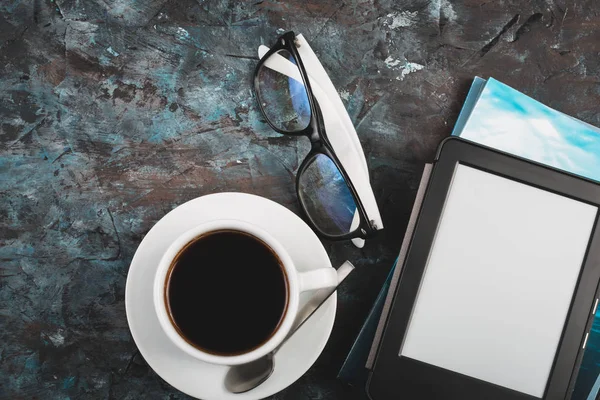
(113, 112)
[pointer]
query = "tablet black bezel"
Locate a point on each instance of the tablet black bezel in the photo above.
(395, 376)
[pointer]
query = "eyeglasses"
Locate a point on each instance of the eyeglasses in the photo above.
(325, 191)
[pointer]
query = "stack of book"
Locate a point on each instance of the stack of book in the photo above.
(498, 116)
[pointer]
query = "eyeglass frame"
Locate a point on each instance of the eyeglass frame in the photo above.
(315, 131)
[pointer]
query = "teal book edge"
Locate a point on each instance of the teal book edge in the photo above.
(353, 370)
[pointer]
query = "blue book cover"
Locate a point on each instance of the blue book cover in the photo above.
(501, 117)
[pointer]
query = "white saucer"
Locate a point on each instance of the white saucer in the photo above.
(192, 376)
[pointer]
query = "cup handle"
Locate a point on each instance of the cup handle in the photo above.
(317, 299)
(317, 279)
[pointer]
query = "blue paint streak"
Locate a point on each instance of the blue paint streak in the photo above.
(69, 382)
(32, 363)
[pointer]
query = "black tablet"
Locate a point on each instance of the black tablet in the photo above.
(499, 287)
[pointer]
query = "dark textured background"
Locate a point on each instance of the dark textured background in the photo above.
(113, 112)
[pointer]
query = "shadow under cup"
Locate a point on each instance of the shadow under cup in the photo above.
(226, 292)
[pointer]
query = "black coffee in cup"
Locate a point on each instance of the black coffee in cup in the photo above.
(226, 292)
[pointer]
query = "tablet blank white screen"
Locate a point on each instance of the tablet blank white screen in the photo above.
(499, 281)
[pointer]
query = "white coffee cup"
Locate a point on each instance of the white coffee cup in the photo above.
(297, 282)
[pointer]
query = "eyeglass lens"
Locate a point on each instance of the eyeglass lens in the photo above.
(282, 93)
(327, 198)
